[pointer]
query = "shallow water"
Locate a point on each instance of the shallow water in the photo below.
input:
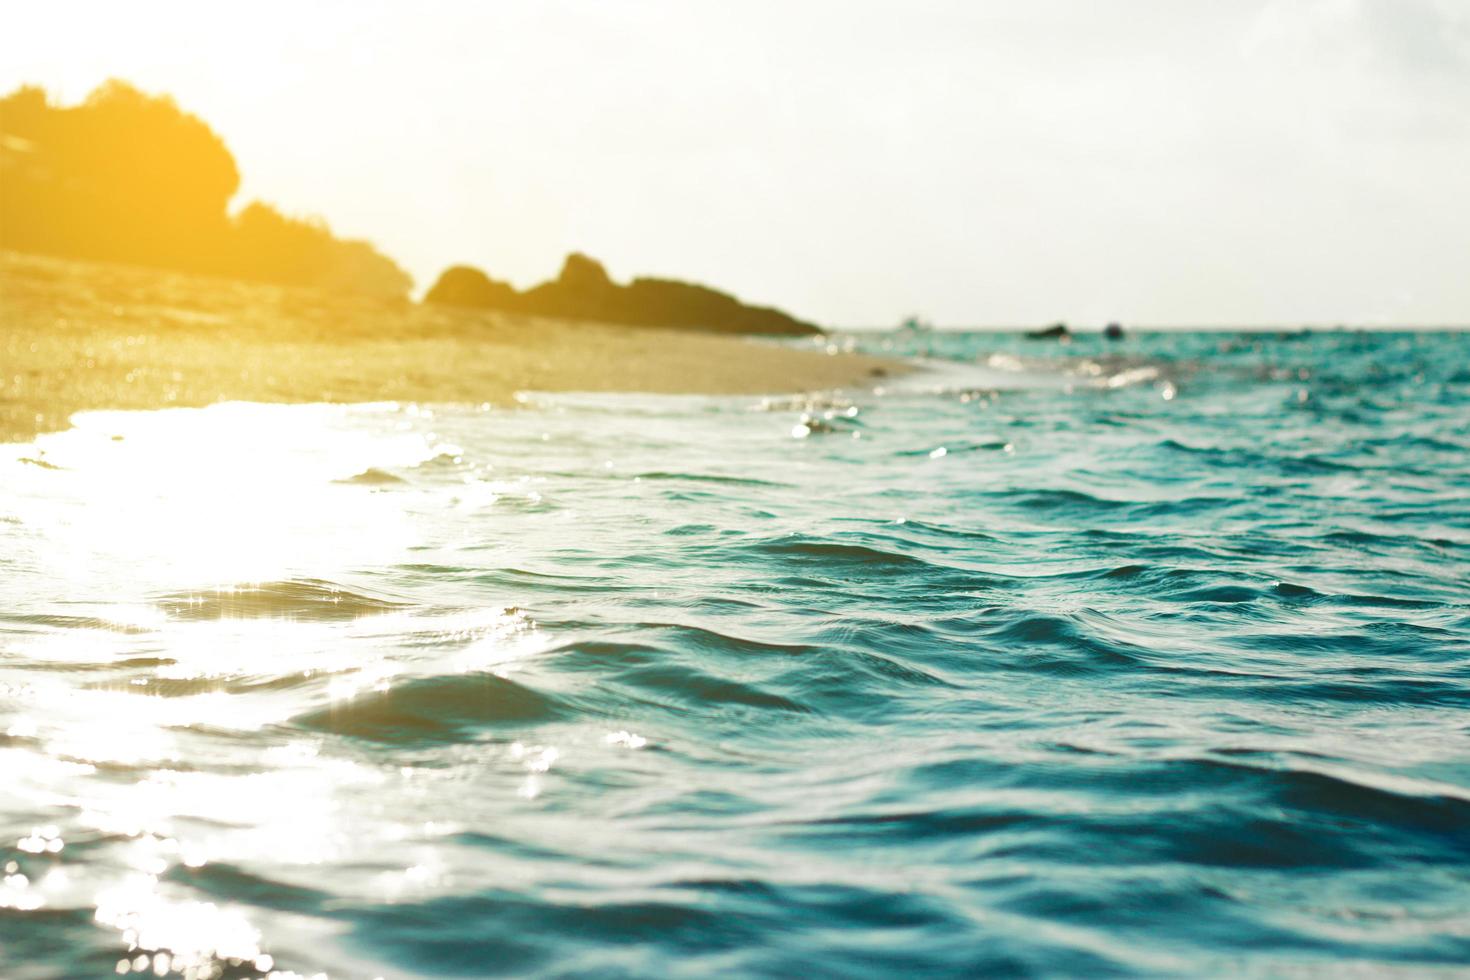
(1149, 657)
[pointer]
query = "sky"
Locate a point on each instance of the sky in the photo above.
(1159, 162)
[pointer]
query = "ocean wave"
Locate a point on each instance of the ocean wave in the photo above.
(431, 710)
(305, 599)
(1175, 686)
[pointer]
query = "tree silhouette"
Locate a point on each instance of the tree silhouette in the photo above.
(130, 177)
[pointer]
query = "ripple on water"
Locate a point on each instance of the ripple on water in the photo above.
(431, 710)
(305, 599)
(1166, 676)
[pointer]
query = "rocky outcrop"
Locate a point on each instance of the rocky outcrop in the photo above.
(464, 285)
(584, 291)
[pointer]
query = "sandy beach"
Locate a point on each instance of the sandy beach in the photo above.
(77, 336)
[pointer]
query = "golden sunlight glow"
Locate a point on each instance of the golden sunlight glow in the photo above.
(856, 648)
(508, 134)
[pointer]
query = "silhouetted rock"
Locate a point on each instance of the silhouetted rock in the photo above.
(584, 276)
(584, 291)
(1056, 331)
(130, 177)
(463, 285)
(1113, 331)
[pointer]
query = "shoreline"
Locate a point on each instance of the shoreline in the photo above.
(78, 336)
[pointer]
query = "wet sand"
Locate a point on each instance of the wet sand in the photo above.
(77, 336)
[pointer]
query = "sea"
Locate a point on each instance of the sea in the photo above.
(1146, 657)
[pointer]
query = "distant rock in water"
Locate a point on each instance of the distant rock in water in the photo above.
(584, 291)
(1113, 331)
(1057, 331)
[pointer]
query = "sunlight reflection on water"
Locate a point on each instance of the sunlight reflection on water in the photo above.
(232, 493)
(195, 554)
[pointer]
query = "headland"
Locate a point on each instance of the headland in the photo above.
(77, 336)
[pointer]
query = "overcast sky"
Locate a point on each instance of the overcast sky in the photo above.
(1149, 161)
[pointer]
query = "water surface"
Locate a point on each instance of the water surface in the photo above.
(1137, 658)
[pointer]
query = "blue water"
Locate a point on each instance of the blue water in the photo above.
(1073, 660)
